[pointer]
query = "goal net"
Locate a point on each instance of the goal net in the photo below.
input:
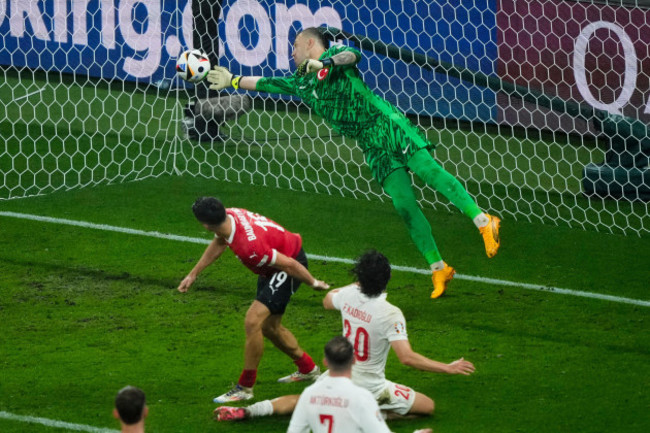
(540, 108)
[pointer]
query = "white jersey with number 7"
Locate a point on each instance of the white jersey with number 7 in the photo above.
(336, 405)
(370, 324)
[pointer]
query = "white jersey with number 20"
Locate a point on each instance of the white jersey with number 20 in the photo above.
(336, 405)
(370, 324)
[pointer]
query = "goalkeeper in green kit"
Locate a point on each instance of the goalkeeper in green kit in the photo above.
(328, 81)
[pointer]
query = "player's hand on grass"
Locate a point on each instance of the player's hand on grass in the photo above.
(219, 78)
(186, 283)
(320, 285)
(461, 366)
(424, 430)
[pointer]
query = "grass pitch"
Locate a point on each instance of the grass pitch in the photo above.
(85, 312)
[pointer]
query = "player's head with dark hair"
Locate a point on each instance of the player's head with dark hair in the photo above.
(209, 210)
(339, 354)
(372, 270)
(318, 34)
(130, 405)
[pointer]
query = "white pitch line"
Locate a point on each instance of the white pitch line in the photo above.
(30, 94)
(55, 423)
(491, 281)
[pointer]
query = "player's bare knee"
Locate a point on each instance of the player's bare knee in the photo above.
(252, 325)
(423, 405)
(270, 329)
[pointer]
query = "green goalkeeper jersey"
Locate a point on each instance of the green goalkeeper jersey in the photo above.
(386, 136)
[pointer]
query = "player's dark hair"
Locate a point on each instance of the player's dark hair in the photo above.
(372, 270)
(339, 354)
(130, 402)
(209, 210)
(318, 34)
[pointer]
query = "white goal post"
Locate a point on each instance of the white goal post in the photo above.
(88, 96)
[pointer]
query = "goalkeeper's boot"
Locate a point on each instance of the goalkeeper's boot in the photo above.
(238, 393)
(301, 377)
(228, 413)
(440, 279)
(490, 234)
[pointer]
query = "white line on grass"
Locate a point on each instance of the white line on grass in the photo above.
(55, 423)
(484, 280)
(30, 94)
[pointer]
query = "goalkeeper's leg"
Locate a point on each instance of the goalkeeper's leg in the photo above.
(432, 173)
(398, 186)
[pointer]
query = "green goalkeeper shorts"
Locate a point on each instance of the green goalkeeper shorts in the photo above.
(390, 144)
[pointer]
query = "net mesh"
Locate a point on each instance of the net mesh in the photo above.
(539, 108)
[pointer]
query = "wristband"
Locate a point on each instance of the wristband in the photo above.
(235, 81)
(327, 62)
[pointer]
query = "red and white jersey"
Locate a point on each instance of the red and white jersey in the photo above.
(370, 324)
(256, 240)
(336, 405)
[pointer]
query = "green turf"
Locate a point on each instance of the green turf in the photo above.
(85, 312)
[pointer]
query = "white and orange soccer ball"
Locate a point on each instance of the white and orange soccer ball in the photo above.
(193, 66)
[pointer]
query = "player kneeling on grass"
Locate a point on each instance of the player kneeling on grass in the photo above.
(334, 404)
(328, 80)
(373, 326)
(276, 255)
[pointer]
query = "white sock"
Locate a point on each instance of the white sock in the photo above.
(261, 408)
(437, 266)
(481, 220)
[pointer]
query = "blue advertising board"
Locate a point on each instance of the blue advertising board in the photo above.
(127, 39)
(139, 40)
(257, 38)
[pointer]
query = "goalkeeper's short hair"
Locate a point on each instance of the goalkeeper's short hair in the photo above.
(317, 33)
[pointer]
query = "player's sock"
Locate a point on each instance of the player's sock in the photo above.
(432, 173)
(248, 378)
(261, 408)
(398, 186)
(433, 258)
(481, 220)
(437, 266)
(305, 363)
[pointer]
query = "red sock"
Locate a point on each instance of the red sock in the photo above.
(305, 363)
(248, 378)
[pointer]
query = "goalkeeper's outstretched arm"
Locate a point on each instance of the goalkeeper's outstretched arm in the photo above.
(221, 78)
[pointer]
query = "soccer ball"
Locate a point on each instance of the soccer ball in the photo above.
(193, 66)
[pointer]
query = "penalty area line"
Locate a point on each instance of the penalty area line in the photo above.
(55, 423)
(484, 280)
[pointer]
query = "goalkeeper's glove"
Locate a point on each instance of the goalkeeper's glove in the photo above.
(221, 78)
(310, 65)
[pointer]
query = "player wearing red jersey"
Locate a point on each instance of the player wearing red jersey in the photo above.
(276, 255)
(373, 326)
